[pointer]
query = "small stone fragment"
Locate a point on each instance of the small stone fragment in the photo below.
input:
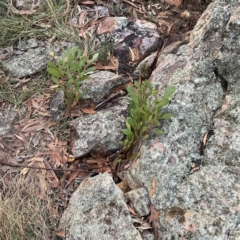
(139, 201)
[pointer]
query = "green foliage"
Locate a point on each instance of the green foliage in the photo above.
(68, 73)
(145, 113)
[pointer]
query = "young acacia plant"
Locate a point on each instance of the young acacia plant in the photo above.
(145, 115)
(68, 72)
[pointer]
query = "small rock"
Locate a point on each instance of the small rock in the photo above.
(30, 57)
(143, 68)
(100, 132)
(6, 119)
(145, 24)
(99, 85)
(57, 105)
(97, 210)
(28, 63)
(27, 5)
(139, 200)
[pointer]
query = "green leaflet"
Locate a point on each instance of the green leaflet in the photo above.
(166, 116)
(137, 85)
(149, 85)
(55, 80)
(94, 58)
(55, 72)
(90, 69)
(162, 103)
(52, 65)
(158, 131)
(128, 133)
(140, 110)
(169, 91)
(132, 123)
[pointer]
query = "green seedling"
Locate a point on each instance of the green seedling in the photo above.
(145, 115)
(68, 73)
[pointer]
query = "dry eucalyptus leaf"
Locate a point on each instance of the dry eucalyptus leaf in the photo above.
(153, 188)
(88, 2)
(154, 214)
(176, 3)
(88, 110)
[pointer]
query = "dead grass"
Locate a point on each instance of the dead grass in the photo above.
(16, 91)
(51, 22)
(47, 22)
(22, 214)
(14, 96)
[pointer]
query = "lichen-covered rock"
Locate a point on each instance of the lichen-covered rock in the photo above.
(28, 63)
(138, 198)
(206, 73)
(30, 57)
(98, 85)
(97, 210)
(100, 132)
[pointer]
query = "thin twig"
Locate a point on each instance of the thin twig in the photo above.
(41, 168)
(118, 94)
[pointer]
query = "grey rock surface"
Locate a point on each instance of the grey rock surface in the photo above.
(30, 57)
(98, 85)
(97, 210)
(138, 199)
(206, 73)
(102, 131)
(6, 119)
(28, 63)
(57, 104)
